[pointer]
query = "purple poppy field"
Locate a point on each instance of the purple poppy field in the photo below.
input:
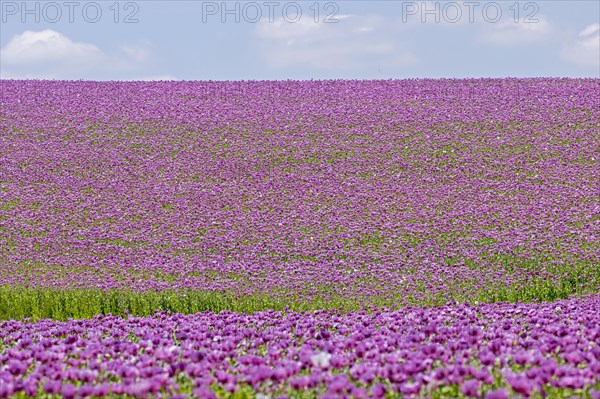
(300, 239)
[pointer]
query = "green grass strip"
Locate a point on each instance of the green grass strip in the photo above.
(17, 303)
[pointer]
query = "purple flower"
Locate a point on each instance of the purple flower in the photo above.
(16, 367)
(6, 390)
(204, 392)
(299, 383)
(198, 356)
(359, 393)
(259, 374)
(410, 388)
(378, 391)
(69, 391)
(139, 389)
(521, 384)
(470, 388)
(571, 382)
(30, 387)
(501, 393)
(85, 390)
(339, 383)
(52, 387)
(101, 390)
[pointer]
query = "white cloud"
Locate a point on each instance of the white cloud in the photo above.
(47, 46)
(354, 42)
(136, 53)
(584, 51)
(590, 30)
(49, 54)
(510, 33)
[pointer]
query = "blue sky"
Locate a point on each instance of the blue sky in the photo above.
(245, 40)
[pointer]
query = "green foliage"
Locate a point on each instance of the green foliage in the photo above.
(18, 303)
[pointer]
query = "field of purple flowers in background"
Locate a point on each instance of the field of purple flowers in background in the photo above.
(326, 239)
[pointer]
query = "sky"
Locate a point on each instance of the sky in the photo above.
(278, 40)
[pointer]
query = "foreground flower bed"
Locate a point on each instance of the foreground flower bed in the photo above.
(488, 350)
